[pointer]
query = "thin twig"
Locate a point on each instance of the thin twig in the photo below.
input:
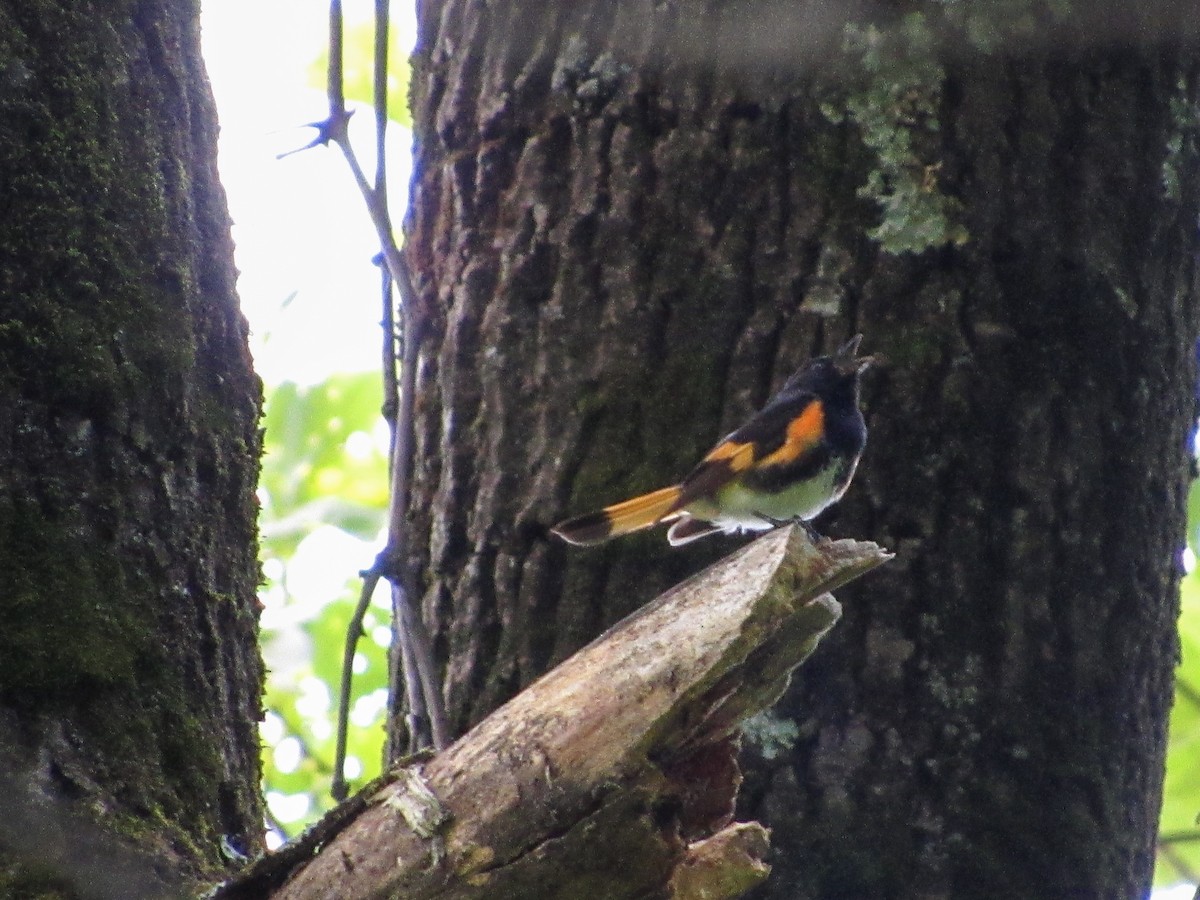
(1178, 837)
(414, 651)
(391, 353)
(1169, 846)
(1184, 689)
(339, 788)
(1175, 859)
(405, 662)
(382, 24)
(409, 624)
(416, 725)
(391, 358)
(333, 86)
(408, 618)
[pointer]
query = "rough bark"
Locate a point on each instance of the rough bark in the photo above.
(129, 672)
(638, 217)
(611, 777)
(1029, 462)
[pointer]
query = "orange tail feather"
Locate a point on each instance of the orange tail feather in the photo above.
(620, 518)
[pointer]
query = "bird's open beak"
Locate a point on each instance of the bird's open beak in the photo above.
(845, 358)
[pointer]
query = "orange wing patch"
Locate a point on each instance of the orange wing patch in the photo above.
(738, 456)
(724, 463)
(803, 433)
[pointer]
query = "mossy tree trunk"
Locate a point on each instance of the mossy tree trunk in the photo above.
(636, 218)
(129, 672)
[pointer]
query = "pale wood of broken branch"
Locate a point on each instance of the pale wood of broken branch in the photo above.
(614, 775)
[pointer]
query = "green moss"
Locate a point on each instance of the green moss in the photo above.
(994, 27)
(71, 167)
(686, 395)
(913, 347)
(895, 101)
(27, 880)
(1183, 141)
(895, 108)
(99, 262)
(772, 735)
(62, 610)
(74, 627)
(154, 826)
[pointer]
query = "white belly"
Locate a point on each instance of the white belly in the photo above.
(739, 509)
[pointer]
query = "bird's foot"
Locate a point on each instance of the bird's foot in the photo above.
(813, 535)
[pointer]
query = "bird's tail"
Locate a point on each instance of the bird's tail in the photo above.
(621, 518)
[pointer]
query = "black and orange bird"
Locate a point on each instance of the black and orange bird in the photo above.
(793, 459)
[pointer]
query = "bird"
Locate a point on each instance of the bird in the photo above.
(790, 461)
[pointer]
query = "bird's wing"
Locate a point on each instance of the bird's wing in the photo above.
(781, 434)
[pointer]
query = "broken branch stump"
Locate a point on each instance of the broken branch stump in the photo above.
(614, 775)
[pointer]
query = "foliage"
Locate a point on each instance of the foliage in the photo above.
(358, 74)
(324, 496)
(1179, 834)
(324, 493)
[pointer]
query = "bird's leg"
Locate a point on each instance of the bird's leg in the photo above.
(813, 535)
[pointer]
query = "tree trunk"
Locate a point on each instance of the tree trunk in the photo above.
(637, 218)
(129, 672)
(1003, 731)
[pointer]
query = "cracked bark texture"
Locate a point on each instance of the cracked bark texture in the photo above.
(614, 776)
(635, 219)
(129, 672)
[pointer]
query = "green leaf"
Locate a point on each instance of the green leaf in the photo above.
(1179, 856)
(358, 70)
(322, 467)
(1193, 517)
(320, 462)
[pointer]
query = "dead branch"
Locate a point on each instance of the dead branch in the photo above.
(614, 775)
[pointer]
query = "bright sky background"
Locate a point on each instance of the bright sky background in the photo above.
(299, 223)
(307, 285)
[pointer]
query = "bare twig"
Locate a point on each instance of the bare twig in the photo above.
(1185, 690)
(382, 24)
(414, 656)
(1178, 837)
(1176, 860)
(337, 98)
(338, 788)
(1169, 845)
(409, 625)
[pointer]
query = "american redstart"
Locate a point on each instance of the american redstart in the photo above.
(790, 461)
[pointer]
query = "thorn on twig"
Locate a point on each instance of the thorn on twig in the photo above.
(330, 129)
